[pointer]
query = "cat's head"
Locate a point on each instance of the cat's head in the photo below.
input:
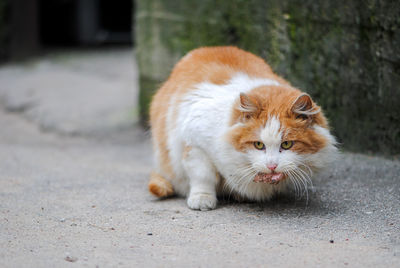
(281, 133)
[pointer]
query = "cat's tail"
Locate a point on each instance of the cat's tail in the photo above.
(159, 186)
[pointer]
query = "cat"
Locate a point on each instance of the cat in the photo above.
(225, 124)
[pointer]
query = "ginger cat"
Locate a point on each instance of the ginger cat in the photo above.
(225, 124)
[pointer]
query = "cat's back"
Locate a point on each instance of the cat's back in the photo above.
(215, 65)
(218, 64)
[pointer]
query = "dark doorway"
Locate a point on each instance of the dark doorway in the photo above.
(85, 22)
(28, 27)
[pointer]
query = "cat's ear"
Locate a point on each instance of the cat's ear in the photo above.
(246, 106)
(303, 107)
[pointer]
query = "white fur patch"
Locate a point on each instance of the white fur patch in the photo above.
(208, 107)
(327, 154)
(271, 135)
(246, 83)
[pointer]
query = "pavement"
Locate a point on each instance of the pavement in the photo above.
(74, 166)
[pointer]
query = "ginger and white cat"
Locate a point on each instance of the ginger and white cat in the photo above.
(225, 124)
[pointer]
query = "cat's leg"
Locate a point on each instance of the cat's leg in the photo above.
(202, 179)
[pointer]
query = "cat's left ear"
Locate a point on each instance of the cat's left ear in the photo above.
(247, 106)
(303, 107)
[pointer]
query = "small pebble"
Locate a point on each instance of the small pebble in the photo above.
(331, 241)
(71, 259)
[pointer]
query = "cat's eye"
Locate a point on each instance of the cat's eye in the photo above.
(286, 145)
(259, 145)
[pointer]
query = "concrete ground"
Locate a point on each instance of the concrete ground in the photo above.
(73, 174)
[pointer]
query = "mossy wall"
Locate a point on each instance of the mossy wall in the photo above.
(346, 54)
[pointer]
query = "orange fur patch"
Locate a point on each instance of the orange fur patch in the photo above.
(186, 151)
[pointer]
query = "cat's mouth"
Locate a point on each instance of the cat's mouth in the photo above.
(272, 178)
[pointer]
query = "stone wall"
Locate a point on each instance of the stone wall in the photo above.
(346, 54)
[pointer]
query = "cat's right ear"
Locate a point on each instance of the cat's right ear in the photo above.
(303, 107)
(246, 106)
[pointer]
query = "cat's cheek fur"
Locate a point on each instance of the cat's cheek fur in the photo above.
(325, 155)
(257, 159)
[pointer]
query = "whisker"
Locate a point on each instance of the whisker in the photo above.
(245, 175)
(301, 181)
(307, 177)
(295, 183)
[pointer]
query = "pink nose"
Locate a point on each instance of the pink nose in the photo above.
(272, 167)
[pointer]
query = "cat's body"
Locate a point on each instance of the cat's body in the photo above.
(224, 123)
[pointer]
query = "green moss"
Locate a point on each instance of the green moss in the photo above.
(147, 88)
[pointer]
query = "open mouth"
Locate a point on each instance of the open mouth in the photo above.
(272, 178)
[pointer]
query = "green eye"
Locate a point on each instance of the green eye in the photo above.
(259, 145)
(286, 145)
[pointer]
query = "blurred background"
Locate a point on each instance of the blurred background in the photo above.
(346, 54)
(30, 27)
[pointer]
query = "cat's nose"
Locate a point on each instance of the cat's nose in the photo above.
(272, 167)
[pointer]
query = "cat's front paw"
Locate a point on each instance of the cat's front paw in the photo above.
(202, 201)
